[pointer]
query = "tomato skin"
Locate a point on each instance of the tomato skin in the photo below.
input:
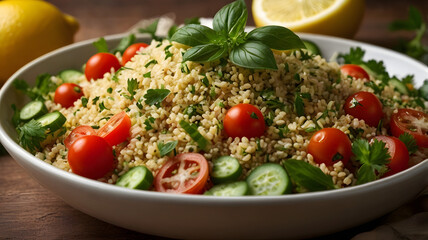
(241, 122)
(405, 120)
(99, 64)
(131, 51)
(67, 93)
(91, 156)
(116, 129)
(178, 170)
(354, 71)
(368, 107)
(80, 131)
(326, 143)
(399, 154)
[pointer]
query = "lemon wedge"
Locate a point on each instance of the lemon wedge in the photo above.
(329, 17)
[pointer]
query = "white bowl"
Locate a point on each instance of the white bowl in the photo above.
(197, 217)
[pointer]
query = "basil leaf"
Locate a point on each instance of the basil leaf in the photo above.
(101, 45)
(308, 176)
(276, 37)
(193, 35)
(254, 55)
(155, 96)
(124, 43)
(166, 148)
(205, 53)
(230, 21)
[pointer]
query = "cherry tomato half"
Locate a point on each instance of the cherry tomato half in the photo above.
(244, 120)
(91, 156)
(185, 173)
(413, 122)
(78, 132)
(99, 64)
(67, 93)
(330, 145)
(399, 160)
(116, 129)
(365, 106)
(354, 71)
(131, 51)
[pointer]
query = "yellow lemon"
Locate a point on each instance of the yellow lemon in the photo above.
(330, 17)
(28, 29)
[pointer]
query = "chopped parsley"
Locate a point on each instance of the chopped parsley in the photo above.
(84, 102)
(253, 115)
(95, 100)
(110, 90)
(102, 107)
(31, 134)
(193, 110)
(156, 96)
(44, 85)
(153, 61)
(168, 54)
(147, 74)
(148, 122)
(299, 105)
(132, 86)
(116, 74)
(354, 103)
(205, 81)
(409, 141)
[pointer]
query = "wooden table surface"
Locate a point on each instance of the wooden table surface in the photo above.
(29, 211)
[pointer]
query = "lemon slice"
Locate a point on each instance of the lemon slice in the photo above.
(330, 17)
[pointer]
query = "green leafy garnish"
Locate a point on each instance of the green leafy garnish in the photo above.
(147, 74)
(166, 148)
(151, 29)
(31, 134)
(193, 110)
(299, 105)
(124, 44)
(101, 45)
(153, 61)
(307, 176)
(156, 96)
(228, 38)
(84, 102)
(148, 122)
(409, 141)
(372, 157)
(415, 23)
(44, 85)
(116, 74)
(132, 86)
(192, 130)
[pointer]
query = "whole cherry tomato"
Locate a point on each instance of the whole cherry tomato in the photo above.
(99, 64)
(399, 160)
(365, 106)
(131, 51)
(330, 145)
(67, 93)
(244, 120)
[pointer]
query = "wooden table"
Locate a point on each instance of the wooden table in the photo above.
(27, 210)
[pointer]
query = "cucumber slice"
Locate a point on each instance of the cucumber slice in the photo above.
(233, 189)
(32, 110)
(269, 179)
(312, 47)
(424, 90)
(399, 86)
(225, 169)
(70, 75)
(53, 121)
(138, 177)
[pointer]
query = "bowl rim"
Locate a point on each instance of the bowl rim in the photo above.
(15, 148)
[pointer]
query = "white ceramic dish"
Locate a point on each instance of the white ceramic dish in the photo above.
(203, 217)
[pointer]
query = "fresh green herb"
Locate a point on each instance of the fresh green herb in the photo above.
(252, 50)
(372, 157)
(269, 118)
(205, 81)
(16, 119)
(221, 104)
(416, 24)
(377, 89)
(116, 74)
(184, 68)
(192, 130)
(253, 115)
(283, 131)
(95, 126)
(101, 45)
(44, 85)
(299, 105)
(307, 176)
(102, 107)
(153, 61)
(139, 105)
(192, 89)
(193, 110)
(409, 141)
(355, 133)
(355, 103)
(151, 29)
(84, 101)
(147, 74)
(168, 54)
(212, 92)
(109, 90)
(95, 100)
(31, 135)
(148, 122)
(271, 100)
(132, 86)
(124, 44)
(166, 148)
(155, 96)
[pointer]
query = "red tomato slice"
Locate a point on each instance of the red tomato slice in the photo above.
(354, 71)
(413, 122)
(185, 173)
(77, 133)
(131, 51)
(399, 160)
(116, 130)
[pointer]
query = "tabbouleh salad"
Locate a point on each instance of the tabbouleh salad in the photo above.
(217, 112)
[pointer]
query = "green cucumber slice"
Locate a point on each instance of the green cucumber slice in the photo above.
(312, 47)
(32, 110)
(138, 177)
(399, 86)
(53, 121)
(269, 179)
(225, 169)
(234, 189)
(70, 75)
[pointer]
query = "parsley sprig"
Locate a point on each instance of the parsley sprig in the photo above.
(31, 134)
(372, 157)
(228, 38)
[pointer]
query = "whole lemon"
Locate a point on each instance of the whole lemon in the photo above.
(28, 29)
